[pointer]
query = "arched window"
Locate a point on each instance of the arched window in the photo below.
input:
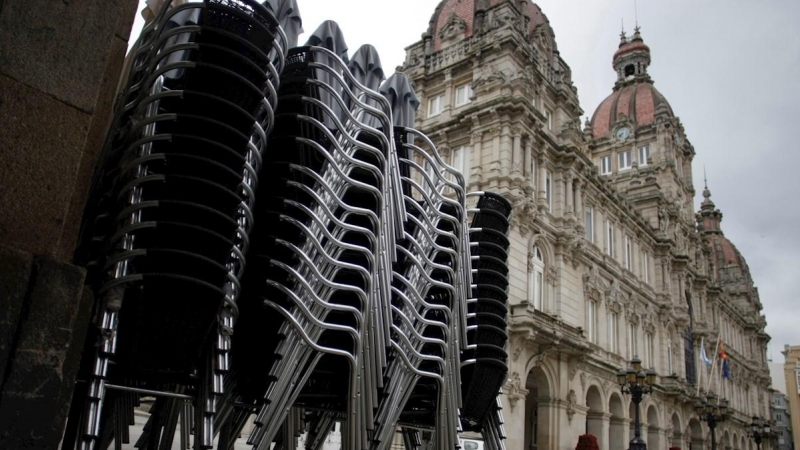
(536, 281)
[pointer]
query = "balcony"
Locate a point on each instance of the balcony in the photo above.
(547, 330)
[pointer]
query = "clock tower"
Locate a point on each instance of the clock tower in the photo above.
(638, 144)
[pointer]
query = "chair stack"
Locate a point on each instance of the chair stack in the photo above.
(484, 362)
(361, 288)
(321, 254)
(166, 235)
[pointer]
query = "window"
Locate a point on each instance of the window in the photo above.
(645, 267)
(649, 350)
(644, 155)
(536, 278)
(435, 105)
(461, 161)
(590, 224)
(605, 165)
(624, 160)
(632, 347)
(548, 189)
(591, 321)
(548, 117)
(613, 331)
(463, 94)
(628, 253)
(610, 239)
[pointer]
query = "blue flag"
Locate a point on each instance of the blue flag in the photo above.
(726, 369)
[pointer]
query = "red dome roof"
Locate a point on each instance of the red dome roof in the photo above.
(638, 102)
(465, 10)
(629, 48)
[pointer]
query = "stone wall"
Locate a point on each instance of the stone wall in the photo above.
(59, 67)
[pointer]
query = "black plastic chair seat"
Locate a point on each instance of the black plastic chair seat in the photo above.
(165, 325)
(210, 106)
(247, 19)
(487, 334)
(490, 263)
(495, 202)
(488, 249)
(175, 262)
(186, 189)
(211, 128)
(491, 277)
(482, 291)
(191, 144)
(485, 378)
(489, 235)
(177, 236)
(490, 219)
(490, 319)
(188, 165)
(490, 306)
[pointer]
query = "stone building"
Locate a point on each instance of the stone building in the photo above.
(791, 370)
(608, 260)
(782, 418)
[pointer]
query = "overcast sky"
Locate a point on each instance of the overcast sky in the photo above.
(729, 68)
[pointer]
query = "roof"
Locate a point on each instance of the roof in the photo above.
(638, 102)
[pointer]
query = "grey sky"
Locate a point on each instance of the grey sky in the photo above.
(729, 68)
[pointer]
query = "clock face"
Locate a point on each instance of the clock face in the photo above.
(623, 133)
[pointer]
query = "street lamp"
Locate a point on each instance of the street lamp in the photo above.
(759, 429)
(712, 411)
(636, 382)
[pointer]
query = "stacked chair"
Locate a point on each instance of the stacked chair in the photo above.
(168, 225)
(484, 362)
(272, 243)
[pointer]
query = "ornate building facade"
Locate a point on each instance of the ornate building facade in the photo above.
(609, 260)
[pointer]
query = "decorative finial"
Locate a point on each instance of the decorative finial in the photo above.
(623, 39)
(705, 178)
(636, 15)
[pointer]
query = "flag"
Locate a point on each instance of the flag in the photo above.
(726, 367)
(703, 355)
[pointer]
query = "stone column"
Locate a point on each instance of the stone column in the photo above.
(569, 209)
(505, 152)
(517, 164)
(476, 165)
(528, 159)
(495, 163)
(579, 200)
(542, 197)
(514, 406)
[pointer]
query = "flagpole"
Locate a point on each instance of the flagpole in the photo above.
(713, 363)
(702, 364)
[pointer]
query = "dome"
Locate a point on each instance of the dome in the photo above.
(638, 102)
(459, 15)
(634, 96)
(729, 266)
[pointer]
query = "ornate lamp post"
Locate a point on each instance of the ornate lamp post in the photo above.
(759, 429)
(636, 382)
(712, 412)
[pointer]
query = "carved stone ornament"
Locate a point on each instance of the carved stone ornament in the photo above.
(571, 400)
(572, 367)
(593, 285)
(514, 390)
(453, 27)
(488, 74)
